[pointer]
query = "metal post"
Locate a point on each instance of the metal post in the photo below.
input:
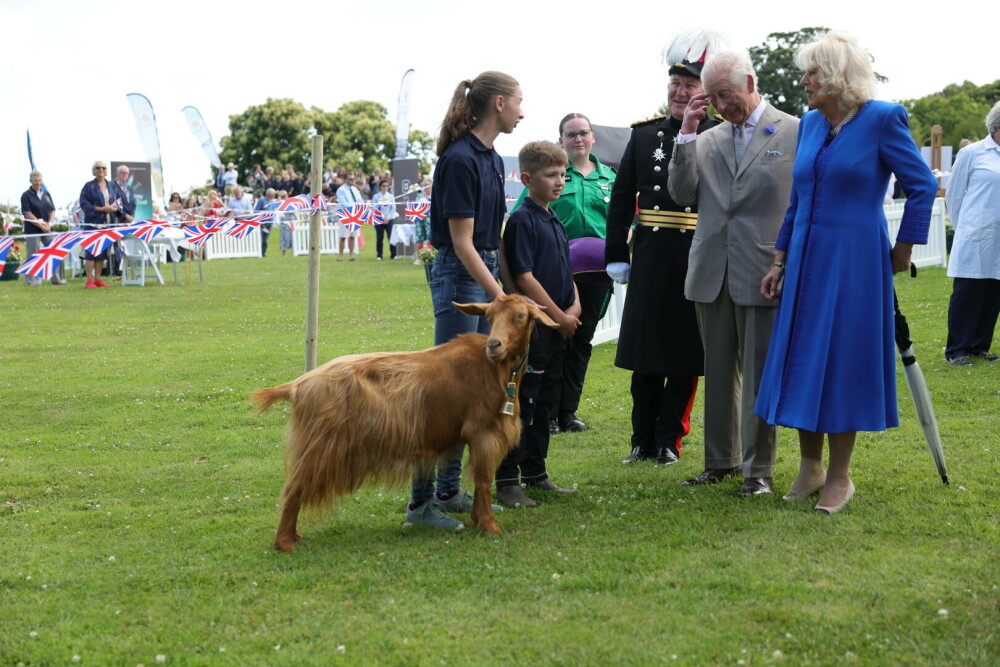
(312, 302)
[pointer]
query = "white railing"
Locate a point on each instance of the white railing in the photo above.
(300, 239)
(932, 254)
(223, 246)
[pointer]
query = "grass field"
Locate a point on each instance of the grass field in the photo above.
(139, 491)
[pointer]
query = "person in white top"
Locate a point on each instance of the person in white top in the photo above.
(347, 194)
(973, 201)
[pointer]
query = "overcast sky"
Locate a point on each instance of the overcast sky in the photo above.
(66, 67)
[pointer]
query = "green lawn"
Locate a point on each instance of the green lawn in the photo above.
(139, 494)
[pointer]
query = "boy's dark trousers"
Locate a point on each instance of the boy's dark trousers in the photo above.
(594, 304)
(538, 393)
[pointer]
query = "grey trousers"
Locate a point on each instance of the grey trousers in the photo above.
(735, 339)
(33, 243)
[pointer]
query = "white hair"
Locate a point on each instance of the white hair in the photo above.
(734, 63)
(993, 118)
(843, 67)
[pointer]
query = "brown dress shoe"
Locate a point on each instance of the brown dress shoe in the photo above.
(711, 476)
(548, 485)
(755, 486)
(514, 496)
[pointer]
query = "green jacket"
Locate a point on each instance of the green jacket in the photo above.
(583, 205)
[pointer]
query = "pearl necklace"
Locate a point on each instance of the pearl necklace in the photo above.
(850, 114)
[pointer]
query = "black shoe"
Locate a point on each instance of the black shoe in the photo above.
(755, 486)
(572, 424)
(960, 361)
(554, 427)
(711, 476)
(548, 485)
(638, 455)
(666, 457)
(981, 355)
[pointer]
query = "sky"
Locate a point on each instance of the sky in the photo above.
(66, 67)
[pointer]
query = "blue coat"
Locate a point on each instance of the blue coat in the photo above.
(90, 197)
(831, 364)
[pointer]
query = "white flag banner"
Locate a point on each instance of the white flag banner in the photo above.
(201, 133)
(403, 115)
(145, 122)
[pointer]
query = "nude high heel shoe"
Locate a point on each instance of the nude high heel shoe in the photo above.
(839, 506)
(817, 485)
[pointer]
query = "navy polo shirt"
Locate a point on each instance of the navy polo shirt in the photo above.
(468, 183)
(534, 240)
(40, 207)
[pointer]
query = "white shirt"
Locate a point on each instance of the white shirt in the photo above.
(348, 194)
(973, 201)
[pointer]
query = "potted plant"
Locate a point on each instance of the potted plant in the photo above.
(425, 255)
(14, 258)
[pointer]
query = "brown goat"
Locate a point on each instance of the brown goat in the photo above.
(378, 416)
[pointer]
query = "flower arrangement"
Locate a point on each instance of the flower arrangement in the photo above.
(426, 253)
(16, 253)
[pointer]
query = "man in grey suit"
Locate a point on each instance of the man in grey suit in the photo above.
(739, 174)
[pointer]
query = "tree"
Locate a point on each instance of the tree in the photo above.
(777, 76)
(273, 134)
(358, 135)
(960, 110)
(423, 146)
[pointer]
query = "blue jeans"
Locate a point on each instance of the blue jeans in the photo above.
(450, 281)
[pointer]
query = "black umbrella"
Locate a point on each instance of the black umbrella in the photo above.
(918, 387)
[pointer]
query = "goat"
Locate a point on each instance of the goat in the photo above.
(378, 416)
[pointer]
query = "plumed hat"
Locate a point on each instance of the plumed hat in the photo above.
(687, 52)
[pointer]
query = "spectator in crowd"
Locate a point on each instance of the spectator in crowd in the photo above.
(973, 201)
(257, 179)
(213, 206)
(220, 180)
(285, 239)
(347, 195)
(230, 178)
(387, 207)
(175, 203)
(421, 228)
(265, 203)
(126, 213)
(39, 215)
(466, 216)
(297, 186)
(831, 364)
(100, 200)
(373, 181)
(237, 204)
(269, 179)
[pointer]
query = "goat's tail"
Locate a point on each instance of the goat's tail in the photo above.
(268, 397)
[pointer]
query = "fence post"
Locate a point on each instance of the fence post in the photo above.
(315, 221)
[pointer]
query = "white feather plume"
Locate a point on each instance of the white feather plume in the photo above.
(691, 43)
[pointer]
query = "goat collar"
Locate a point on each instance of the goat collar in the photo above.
(508, 406)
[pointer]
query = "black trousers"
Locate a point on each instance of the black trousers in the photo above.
(661, 411)
(384, 232)
(593, 303)
(972, 316)
(537, 395)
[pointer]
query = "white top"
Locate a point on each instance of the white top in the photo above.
(973, 201)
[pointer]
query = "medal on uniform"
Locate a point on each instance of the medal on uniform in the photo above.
(658, 154)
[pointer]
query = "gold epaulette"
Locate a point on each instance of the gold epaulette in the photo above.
(654, 119)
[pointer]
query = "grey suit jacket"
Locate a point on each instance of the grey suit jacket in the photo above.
(739, 211)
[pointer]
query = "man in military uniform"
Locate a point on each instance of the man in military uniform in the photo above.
(658, 339)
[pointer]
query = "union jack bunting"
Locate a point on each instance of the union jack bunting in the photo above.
(147, 229)
(96, 241)
(417, 211)
(295, 203)
(377, 217)
(354, 216)
(243, 227)
(218, 223)
(44, 262)
(5, 245)
(198, 234)
(509, 199)
(320, 202)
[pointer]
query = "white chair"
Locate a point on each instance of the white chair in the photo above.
(135, 258)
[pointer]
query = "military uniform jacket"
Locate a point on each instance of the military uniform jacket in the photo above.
(659, 331)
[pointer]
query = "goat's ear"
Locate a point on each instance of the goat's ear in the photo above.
(539, 315)
(472, 308)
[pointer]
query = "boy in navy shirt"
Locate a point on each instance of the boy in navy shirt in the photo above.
(537, 252)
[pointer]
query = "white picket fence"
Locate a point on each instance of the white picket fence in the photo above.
(935, 253)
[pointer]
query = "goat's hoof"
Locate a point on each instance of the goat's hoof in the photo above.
(490, 529)
(287, 545)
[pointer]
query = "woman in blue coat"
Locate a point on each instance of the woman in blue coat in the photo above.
(831, 366)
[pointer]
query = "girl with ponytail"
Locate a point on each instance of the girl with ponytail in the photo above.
(467, 211)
